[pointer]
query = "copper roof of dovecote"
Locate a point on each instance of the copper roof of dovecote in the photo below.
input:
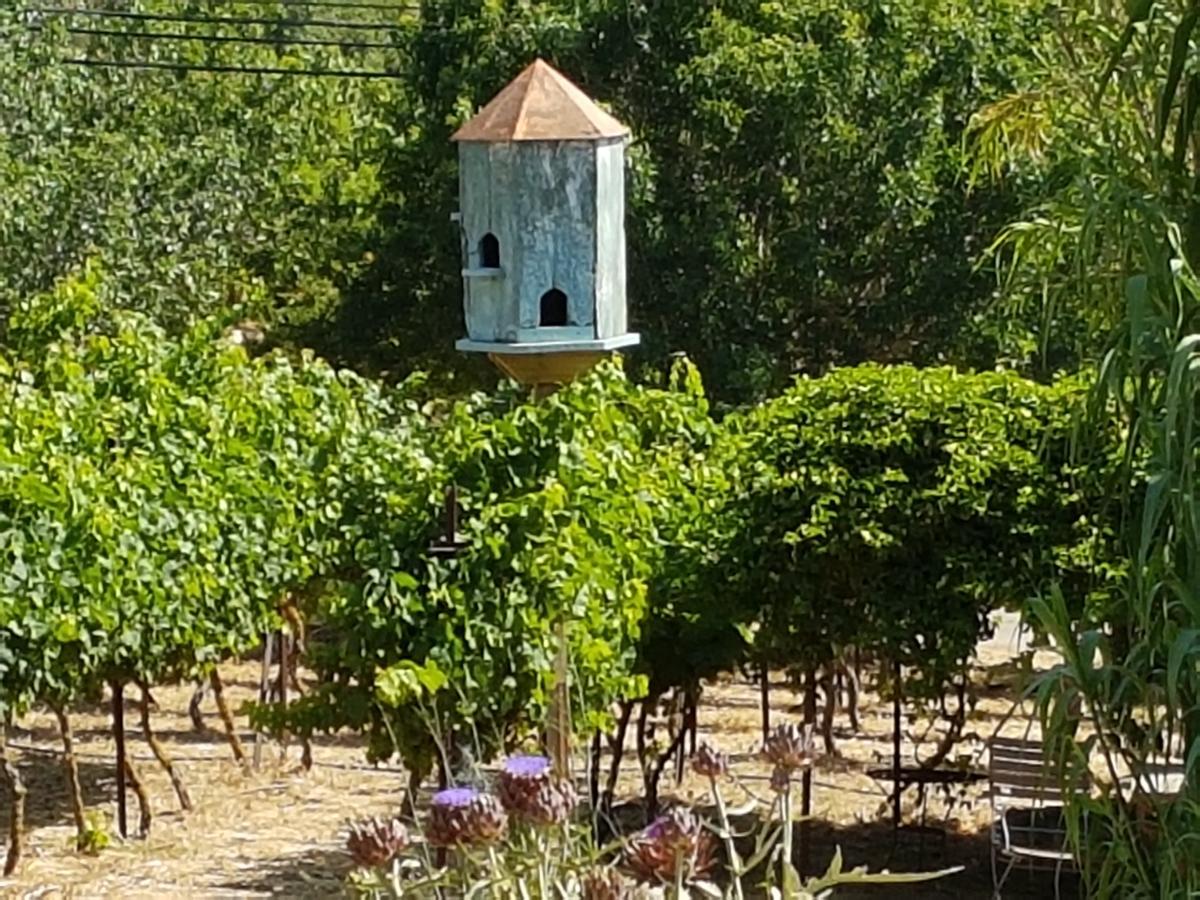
(540, 104)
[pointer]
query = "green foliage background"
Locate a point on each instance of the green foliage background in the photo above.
(816, 188)
(797, 197)
(163, 498)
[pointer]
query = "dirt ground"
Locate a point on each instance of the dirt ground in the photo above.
(280, 831)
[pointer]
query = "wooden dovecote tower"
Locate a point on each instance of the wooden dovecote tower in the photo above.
(542, 191)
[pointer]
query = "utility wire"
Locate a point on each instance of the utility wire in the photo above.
(228, 39)
(331, 4)
(239, 70)
(213, 20)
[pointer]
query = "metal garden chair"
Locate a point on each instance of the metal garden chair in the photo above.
(1028, 819)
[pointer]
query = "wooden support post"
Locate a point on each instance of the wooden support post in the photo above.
(677, 725)
(764, 694)
(617, 745)
(810, 718)
(264, 692)
(443, 763)
(17, 790)
(594, 773)
(118, 714)
(693, 716)
(896, 713)
(285, 656)
(71, 771)
(558, 731)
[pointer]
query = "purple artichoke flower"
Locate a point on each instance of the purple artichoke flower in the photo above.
(464, 816)
(531, 793)
(459, 796)
(528, 766)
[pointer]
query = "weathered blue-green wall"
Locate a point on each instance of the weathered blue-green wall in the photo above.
(557, 208)
(610, 239)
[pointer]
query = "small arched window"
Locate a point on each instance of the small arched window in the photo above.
(554, 308)
(489, 252)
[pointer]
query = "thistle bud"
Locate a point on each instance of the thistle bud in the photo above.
(789, 748)
(604, 883)
(781, 779)
(376, 842)
(670, 841)
(710, 762)
(464, 816)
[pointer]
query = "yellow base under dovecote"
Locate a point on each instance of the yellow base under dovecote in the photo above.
(547, 370)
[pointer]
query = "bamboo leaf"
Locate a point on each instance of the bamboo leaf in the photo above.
(1138, 11)
(1180, 46)
(1193, 756)
(1152, 512)
(1181, 649)
(1186, 122)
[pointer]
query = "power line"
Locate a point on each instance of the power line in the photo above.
(214, 20)
(239, 70)
(229, 39)
(332, 4)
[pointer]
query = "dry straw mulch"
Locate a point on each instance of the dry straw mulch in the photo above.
(280, 831)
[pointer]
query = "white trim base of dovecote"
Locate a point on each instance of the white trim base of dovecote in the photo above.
(532, 347)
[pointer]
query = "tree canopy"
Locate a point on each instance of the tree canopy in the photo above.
(796, 189)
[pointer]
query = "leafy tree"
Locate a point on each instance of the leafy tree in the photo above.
(251, 192)
(161, 497)
(795, 190)
(563, 501)
(894, 508)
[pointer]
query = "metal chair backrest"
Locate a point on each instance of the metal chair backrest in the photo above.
(1017, 770)
(1159, 777)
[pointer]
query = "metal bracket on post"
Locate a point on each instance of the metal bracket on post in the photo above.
(451, 543)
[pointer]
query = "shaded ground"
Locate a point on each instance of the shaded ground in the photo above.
(280, 831)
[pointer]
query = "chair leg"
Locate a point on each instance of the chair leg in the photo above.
(998, 880)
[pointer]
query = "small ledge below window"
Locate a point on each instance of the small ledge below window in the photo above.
(482, 273)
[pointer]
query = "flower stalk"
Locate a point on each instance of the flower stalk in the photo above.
(790, 749)
(785, 809)
(714, 765)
